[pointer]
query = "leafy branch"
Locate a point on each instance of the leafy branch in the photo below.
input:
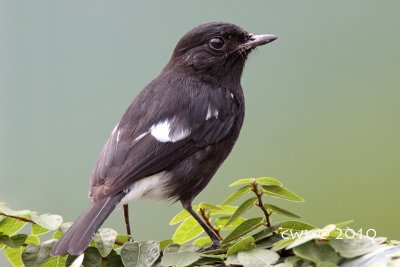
(246, 241)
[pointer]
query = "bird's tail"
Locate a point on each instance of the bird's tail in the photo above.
(79, 235)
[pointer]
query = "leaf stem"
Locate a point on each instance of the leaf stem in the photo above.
(17, 218)
(261, 203)
(207, 221)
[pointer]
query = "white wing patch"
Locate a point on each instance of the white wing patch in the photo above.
(151, 187)
(162, 132)
(211, 113)
(179, 135)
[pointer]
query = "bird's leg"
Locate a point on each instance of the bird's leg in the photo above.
(126, 215)
(214, 237)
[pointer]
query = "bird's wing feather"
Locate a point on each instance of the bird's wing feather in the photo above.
(134, 152)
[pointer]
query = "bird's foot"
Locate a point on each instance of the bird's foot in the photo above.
(214, 246)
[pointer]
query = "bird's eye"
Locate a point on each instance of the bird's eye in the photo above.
(217, 43)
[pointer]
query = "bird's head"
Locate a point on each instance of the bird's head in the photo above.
(216, 49)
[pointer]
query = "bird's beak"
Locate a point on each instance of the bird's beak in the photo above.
(257, 40)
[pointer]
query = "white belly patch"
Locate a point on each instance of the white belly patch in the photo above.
(151, 187)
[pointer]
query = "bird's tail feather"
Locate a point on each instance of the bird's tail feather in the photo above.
(79, 235)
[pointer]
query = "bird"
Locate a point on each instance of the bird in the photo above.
(175, 134)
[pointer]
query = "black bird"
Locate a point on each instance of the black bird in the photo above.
(176, 133)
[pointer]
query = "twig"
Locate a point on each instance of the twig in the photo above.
(116, 242)
(261, 204)
(17, 218)
(207, 221)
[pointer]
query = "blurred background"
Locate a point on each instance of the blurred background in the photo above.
(322, 102)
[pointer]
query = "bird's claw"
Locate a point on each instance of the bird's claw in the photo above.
(214, 246)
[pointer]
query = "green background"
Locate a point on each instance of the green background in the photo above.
(322, 102)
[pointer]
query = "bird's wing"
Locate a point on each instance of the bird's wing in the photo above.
(134, 152)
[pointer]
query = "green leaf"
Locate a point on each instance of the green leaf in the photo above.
(165, 243)
(92, 257)
(187, 230)
(130, 254)
(13, 255)
(268, 181)
(242, 181)
(38, 230)
(48, 221)
(257, 257)
(339, 230)
(281, 192)
(142, 254)
(208, 262)
(57, 234)
(343, 224)
(32, 239)
(350, 248)
(305, 236)
(232, 260)
(35, 255)
(14, 241)
(265, 233)
(105, 239)
(243, 244)
(150, 250)
(319, 254)
(114, 261)
(281, 211)
(205, 205)
(269, 241)
(65, 226)
(281, 244)
(244, 228)
(188, 247)
(120, 240)
(296, 233)
(295, 261)
(10, 226)
(226, 209)
(59, 261)
(296, 225)
(8, 211)
(220, 223)
(180, 258)
(215, 252)
(242, 209)
(237, 194)
(182, 215)
(202, 241)
(172, 248)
